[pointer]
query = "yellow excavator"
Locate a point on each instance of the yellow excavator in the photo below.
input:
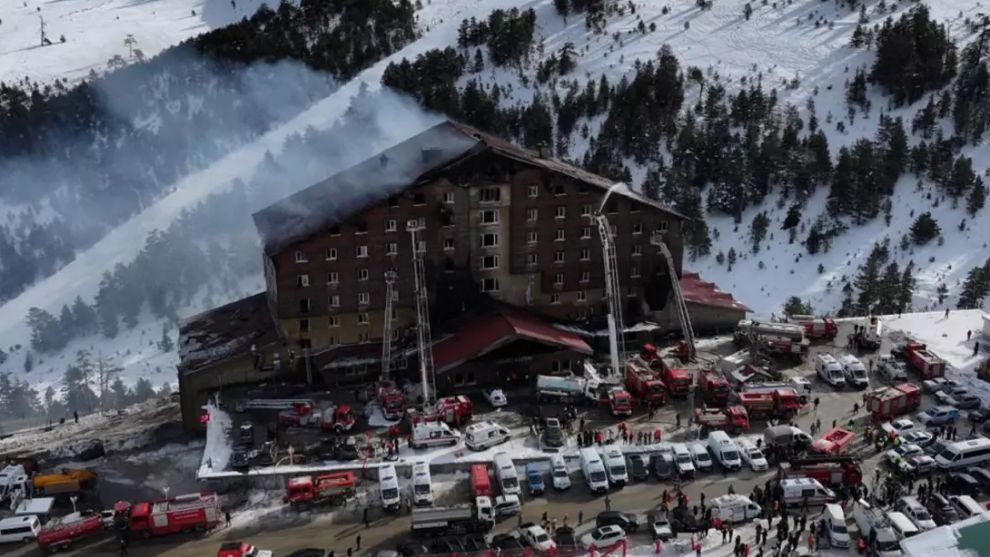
(65, 481)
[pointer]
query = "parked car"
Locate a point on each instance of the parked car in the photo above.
(905, 450)
(241, 460)
(507, 542)
(565, 537)
(605, 536)
(412, 549)
(967, 401)
(921, 438)
(496, 398)
(638, 467)
(627, 521)
(963, 483)
(683, 520)
(537, 538)
(892, 369)
(981, 475)
(660, 525)
(534, 480)
(938, 415)
(310, 552)
(942, 510)
(917, 465)
(978, 415)
(899, 426)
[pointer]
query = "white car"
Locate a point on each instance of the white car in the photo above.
(933, 385)
(917, 437)
(906, 450)
(558, 473)
(605, 536)
(899, 426)
(751, 455)
(496, 398)
(537, 538)
(917, 464)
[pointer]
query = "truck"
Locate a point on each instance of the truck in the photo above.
(192, 512)
(732, 419)
(335, 418)
(778, 403)
(875, 528)
(481, 481)
(869, 336)
(715, 389)
(831, 470)
(60, 533)
(65, 481)
(799, 384)
(677, 379)
(553, 388)
(816, 327)
(455, 519)
(620, 402)
(919, 358)
(242, 549)
(243, 405)
(391, 400)
(643, 382)
(834, 441)
(785, 440)
(775, 338)
(334, 488)
(886, 403)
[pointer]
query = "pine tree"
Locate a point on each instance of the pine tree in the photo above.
(906, 295)
(84, 317)
(977, 197)
(868, 278)
(795, 306)
(28, 361)
(758, 230)
(119, 392)
(166, 344)
(924, 229)
(143, 390)
(975, 288)
(793, 217)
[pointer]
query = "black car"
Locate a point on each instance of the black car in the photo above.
(942, 510)
(627, 521)
(448, 545)
(309, 552)
(638, 467)
(682, 520)
(961, 483)
(475, 543)
(979, 415)
(412, 549)
(507, 542)
(564, 536)
(981, 475)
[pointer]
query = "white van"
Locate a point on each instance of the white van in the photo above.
(482, 435)
(854, 371)
(19, 529)
(699, 455)
(829, 369)
(873, 525)
(594, 470)
(388, 488)
(724, 450)
(902, 525)
(799, 490)
(966, 505)
(682, 458)
(835, 525)
(913, 509)
(971, 452)
(505, 473)
(734, 508)
(615, 465)
(432, 434)
(422, 485)
(559, 474)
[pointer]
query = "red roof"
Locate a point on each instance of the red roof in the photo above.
(484, 334)
(697, 291)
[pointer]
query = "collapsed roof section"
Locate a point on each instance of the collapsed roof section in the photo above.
(225, 332)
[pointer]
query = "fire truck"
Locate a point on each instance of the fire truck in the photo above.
(834, 441)
(886, 403)
(620, 401)
(677, 379)
(775, 338)
(732, 419)
(184, 513)
(927, 365)
(391, 400)
(714, 387)
(335, 418)
(816, 327)
(452, 410)
(60, 533)
(831, 470)
(643, 382)
(779, 403)
(333, 488)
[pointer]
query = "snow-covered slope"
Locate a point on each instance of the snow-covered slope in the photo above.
(780, 45)
(95, 31)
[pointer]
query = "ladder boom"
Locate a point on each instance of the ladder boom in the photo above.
(680, 306)
(613, 292)
(424, 336)
(390, 277)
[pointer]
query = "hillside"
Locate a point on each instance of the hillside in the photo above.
(796, 53)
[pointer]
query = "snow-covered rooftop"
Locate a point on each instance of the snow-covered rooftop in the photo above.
(967, 538)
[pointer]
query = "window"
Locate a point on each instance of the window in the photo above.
(304, 325)
(334, 321)
(489, 195)
(662, 226)
(585, 254)
(419, 199)
(335, 231)
(612, 207)
(331, 254)
(558, 257)
(393, 201)
(489, 285)
(334, 301)
(421, 246)
(363, 318)
(391, 225)
(560, 365)
(585, 276)
(560, 212)
(302, 280)
(489, 262)
(558, 279)
(586, 233)
(362, 274)
(448, 244)
(586, 210)
(634, 271)
(489, 240)
(364, 298)
(555, 298)
(489, 216)
(558, 190)
(448, 198)
(531, 237)
(301, 257)
(559, 235)
(332, 277)
(581, 297)
(534, 191)
(637, 251)
(531, 259)
(362, 228)
(362, 251)
(303, 305)
(531, 215)
(334, 340)
(391, 248)
(637, 228)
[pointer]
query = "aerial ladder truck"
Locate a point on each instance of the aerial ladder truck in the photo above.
(390, 398)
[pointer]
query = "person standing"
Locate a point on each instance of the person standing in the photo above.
(226, 516)
(357, 542)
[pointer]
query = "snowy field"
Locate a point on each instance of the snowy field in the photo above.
(95, 31)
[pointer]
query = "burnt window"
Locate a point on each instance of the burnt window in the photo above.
(393, 201)
(362, 228)
(335, 230)
(558, 190)
(304, 325)
(419, 199)
(304, 305)
(490, 195)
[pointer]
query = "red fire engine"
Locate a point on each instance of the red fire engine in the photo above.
(391, 400)
(677, 379)
(780, 403)
(816, 327)
(336, 418)
(334, 488)
(643, 382)
(60, 533)
(714, 387)
(732, 419)
(183, 513)
(886, 403)
(928, 365)
(833, 470)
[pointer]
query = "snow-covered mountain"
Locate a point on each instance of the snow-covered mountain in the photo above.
(799, 48)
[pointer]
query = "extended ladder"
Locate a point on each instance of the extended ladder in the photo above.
(675, 284)
(613, 292)
(390, 277)
(423, 335)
